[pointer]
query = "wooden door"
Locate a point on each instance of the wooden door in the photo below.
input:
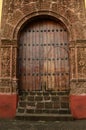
(43, 61)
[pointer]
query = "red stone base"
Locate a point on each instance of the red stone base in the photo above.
(78, 106)
(8, 104)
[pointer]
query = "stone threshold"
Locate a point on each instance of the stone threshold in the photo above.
(44, 117)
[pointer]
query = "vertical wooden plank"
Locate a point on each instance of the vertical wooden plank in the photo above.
(52, 56)
(48, 55)
(33, 56)
(39, 44)
(30, 42)
(45, 68)
(43, 55)
(24, 60)
(55, 35)
(66, 59)
(63, 51)
(57, 56)
(27, 60)
(38, 56)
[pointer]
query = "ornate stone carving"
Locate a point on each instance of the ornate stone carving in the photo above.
(8, 85)
(5, 82)
(5, 62)
(14, 54)
(82, 62)
(11, 6)
(72, 63)
(78, 87)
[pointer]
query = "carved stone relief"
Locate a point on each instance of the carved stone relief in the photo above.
(8, 85)
(78, 87)
(8, 81)
(14, 58)
(5, 62)
(82, 62)
(72, 63)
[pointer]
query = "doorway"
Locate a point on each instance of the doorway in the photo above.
(43, 59)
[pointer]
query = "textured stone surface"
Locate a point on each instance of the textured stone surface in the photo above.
(32, 103)
(43, 125)
(73, 11)
(15, 14)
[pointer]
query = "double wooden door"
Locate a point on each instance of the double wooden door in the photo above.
(43, 62)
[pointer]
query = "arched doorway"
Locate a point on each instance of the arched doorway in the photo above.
(43, 60)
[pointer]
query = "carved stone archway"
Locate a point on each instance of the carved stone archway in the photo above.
(47, 13)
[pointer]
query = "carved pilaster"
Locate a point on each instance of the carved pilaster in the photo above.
(81, 62)
(78, 66)
(5, 61)
(72, 63)
(8, 79)
(14, 61)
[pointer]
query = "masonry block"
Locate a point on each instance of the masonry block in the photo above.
(30, 98)
(40, 105)
(48, 104)
(38, 98)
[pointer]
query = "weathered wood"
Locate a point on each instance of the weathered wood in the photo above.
(43, 56)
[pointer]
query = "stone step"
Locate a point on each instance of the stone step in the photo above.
(45, 111)
(43, 105)
(44, 117)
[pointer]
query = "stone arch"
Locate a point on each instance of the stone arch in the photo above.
(51, 14)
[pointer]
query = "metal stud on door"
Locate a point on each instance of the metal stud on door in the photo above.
(43, 60)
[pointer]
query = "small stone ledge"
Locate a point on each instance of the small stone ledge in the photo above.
(45, 117)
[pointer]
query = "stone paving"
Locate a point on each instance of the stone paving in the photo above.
(42, 125)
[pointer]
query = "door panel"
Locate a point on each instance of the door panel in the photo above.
(43, 61)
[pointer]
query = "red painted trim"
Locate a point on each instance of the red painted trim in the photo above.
(8, 104)
(78, 106)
